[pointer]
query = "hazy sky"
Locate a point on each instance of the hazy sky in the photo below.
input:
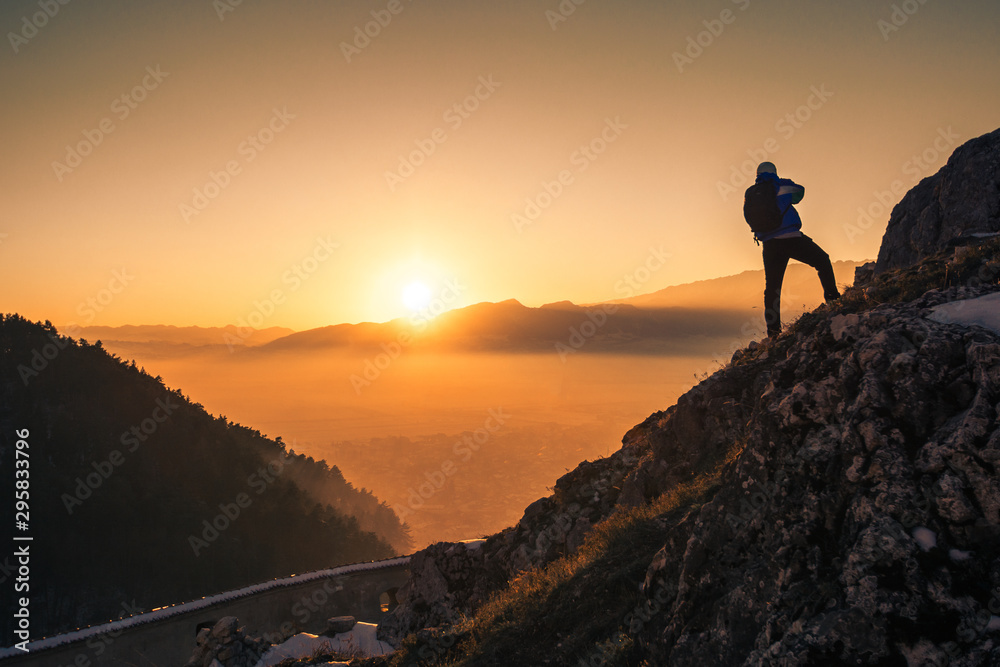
(196, 162)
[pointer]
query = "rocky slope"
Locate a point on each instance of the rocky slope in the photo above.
(962, 199)
(859, 523)
(829, 498)
(857, 520)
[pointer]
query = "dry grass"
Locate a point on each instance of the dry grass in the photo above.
(583, 600)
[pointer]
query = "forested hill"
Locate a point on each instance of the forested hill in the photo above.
(139, 497)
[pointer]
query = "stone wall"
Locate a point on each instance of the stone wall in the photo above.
(274, 613)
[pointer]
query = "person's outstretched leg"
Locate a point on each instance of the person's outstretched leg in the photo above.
(775, 262)
(805, 250)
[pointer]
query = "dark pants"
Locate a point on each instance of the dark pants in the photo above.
(777, 252)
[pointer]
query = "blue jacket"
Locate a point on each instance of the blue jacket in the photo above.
(789, 193)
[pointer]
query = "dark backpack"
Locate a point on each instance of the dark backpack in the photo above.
(760, 208)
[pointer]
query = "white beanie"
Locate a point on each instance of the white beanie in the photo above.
(767, 167)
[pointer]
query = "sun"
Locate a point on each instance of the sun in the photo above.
(416, 296)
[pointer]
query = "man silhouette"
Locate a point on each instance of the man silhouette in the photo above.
(788, 242)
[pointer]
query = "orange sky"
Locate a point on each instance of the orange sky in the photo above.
(303, 226)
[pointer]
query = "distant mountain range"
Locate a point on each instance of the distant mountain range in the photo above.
(159, 340)
(800, 291)
(682, 319)
(511, 327)
(195, 336)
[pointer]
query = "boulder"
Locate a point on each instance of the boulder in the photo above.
(960, 200)
(226, 645)
(339, 624)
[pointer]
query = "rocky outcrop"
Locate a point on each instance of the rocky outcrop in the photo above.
(860, 524)
(960, 200)
(227, 645)
(856, 519)
(440, 590)
(339, 624)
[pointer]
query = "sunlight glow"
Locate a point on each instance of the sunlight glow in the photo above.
(416, 296)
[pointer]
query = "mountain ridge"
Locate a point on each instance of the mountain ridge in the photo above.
(747, 287)
(689, 309)
(673, 311)
(168, 333)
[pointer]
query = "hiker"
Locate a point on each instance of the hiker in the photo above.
(778, 228)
